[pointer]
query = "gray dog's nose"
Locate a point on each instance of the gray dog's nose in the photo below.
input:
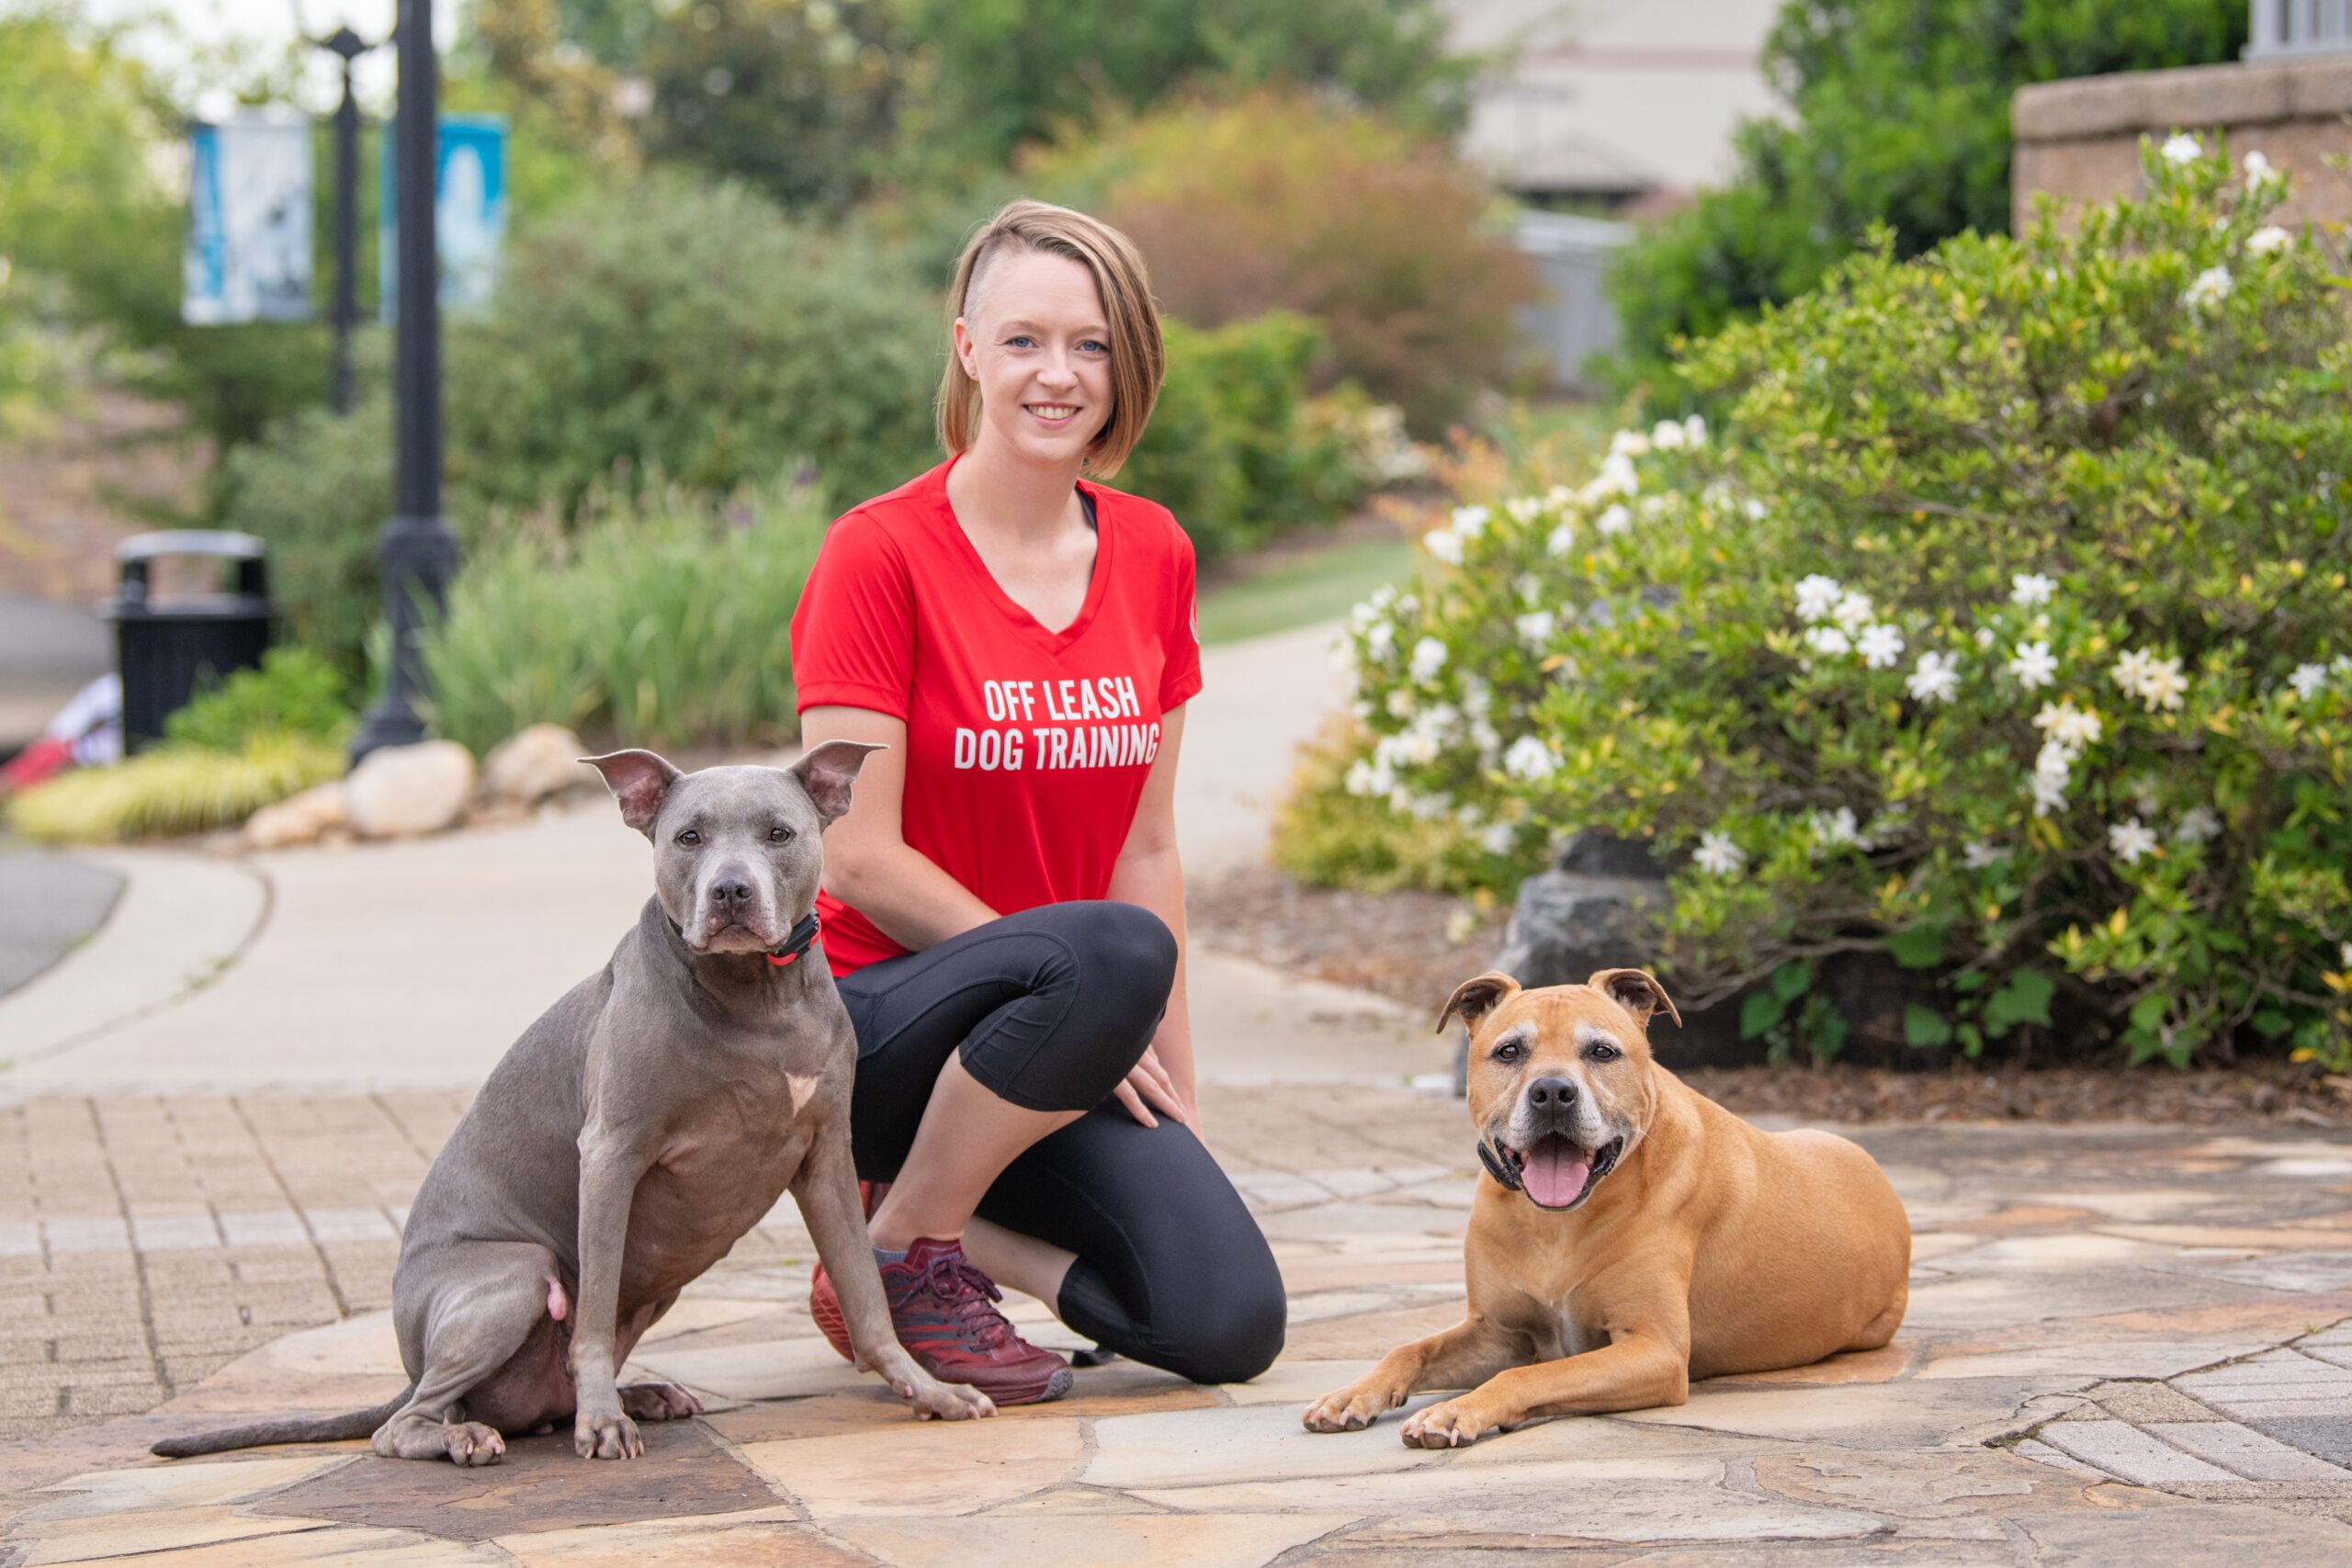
(1551, 1094)
(732, 891)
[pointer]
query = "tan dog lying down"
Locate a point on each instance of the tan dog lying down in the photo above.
(1631, 1235)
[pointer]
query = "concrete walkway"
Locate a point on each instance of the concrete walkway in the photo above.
(2123, 1344)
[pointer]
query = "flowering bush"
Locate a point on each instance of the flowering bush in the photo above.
(2005, 635)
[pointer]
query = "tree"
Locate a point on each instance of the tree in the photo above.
(1899, 114)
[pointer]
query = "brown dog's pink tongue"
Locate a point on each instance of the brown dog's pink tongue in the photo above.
(1555, 1173)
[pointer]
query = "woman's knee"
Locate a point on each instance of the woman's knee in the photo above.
(1232, 1332)
(1120, 949)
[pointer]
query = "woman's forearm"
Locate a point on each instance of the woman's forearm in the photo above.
(904, 893)
(1155, 879)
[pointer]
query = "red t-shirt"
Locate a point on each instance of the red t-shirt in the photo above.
(1026, 749)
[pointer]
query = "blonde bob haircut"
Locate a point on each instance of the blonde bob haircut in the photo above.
(1138, 358)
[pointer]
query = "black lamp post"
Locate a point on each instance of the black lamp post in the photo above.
(348, 46)
(416, 554)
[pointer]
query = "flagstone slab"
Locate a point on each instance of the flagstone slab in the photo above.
(1202, 1448)
(770, 1368)
(1120, 1389)
(176, 1484)
(2187, 1536)
(1370, 1334)
(344, 1547)
(91, 1538)
(1889, 1363)
(923, 1467)
(540, 1484)
(1916, 1414)
(1144, 1540)
(1959, 1484)
(2072, 1361)
(1295, 1380)
(763, 1539)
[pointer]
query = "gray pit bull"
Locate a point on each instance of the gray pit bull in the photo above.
(632, 1135)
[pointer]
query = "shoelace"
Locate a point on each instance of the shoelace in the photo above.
(970, 1296)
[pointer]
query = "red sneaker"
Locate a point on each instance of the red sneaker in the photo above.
(825, 1307)
(944, 1312)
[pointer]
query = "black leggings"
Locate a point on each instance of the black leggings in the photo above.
(1050, 1008)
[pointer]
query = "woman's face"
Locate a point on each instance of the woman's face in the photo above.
(1040, 350)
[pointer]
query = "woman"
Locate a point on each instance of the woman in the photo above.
(1003, 908)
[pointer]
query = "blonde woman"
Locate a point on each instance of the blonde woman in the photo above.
(1004, 906)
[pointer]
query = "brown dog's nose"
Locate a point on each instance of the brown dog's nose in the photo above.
(1551, 1094)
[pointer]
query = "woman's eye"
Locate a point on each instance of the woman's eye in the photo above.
(1020, 340)
(689, 837)
(779, 835)
(1093, 347)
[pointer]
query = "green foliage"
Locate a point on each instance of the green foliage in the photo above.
(2007, 635)
(1277, 201)
(798, 97)
(659, 619)
(998, 73)
(1899, 114)
(695, 332)
(1230, 449)
(1328, 837)
(295, 692)
(172, 789)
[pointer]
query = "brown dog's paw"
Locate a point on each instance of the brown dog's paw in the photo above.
(605, 1436)
(1350, 1410)
(471, 1443)
(1456, 1424)
(658, 1401)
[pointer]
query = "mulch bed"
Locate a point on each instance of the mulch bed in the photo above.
(1416, 947)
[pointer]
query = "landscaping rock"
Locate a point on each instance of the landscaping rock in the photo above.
(402, 791)
(1592, 853)
(535, 764)
(301, 819)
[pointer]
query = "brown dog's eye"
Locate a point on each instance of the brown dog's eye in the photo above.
(1597, 1051)
(689, 837)
(1509, 1050)
(779, 835)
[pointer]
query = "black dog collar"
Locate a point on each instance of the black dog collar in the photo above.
(1497, 1166)
(797, 942)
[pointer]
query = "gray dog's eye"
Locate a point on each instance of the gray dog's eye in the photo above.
(780, 835)
(689, 836)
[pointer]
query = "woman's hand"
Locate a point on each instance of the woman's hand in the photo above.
(1149, 1082)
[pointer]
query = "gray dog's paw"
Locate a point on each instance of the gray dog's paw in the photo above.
(658, 1401)
(605, 1436)
(471, 1443)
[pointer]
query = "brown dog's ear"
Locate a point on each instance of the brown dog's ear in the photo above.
(828, 772)
(1636, 991)
(639, 780)
(1474, 999)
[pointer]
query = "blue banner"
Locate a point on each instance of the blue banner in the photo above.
(468, 212)
(248, 256)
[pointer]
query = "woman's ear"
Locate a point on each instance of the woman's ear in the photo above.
(965, 356)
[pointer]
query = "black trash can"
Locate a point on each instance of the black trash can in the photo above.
(165, 647)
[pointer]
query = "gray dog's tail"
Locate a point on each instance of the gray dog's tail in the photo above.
(313, 1429)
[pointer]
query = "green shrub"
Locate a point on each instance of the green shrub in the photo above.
(1328, 837)
(1283, 202)
(295, 692)
(1231, 448)
(172, 789)
(1898, 114)
(2006, 637)
(662, 619)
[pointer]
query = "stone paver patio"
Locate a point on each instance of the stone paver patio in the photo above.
(2122, 1345)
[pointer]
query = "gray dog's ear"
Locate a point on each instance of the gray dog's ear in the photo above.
(1636, 991)
(1474, 999)
(639, 780)
(828, 772)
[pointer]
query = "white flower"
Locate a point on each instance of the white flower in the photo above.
(1429, 807)
(2212, 286)
(1489, 741)
(1498, 839)
(1816, 596)
(1835, 829)
(1529, 759)
(2069, 726)
(2030, 588)
(1616, 476)
(2183, 148)
(1524, 508)
(2269, 238)
(2054, 769)
(1694, 431)
(1478, 698)
(1977, 855)
(1754, 508)
(1535, 627)
(1937, 678)
(1470, 521)
(1562, 539)
(1370, 778)
(2258, 172)
(1527, 586)
(2130, 669)
(1379, 641)
(2345, 956)
(1614, 521)
(2307, 680)
(2197, 824)
(1445, 544)
(1629, 444)
(1666, 436)
(2032, 665)
(1984, 637)
(1880, 646)
(1436, 721)
(1828, 642)
(2157, 683)
(2130, 840)
(1429, 658)
(1853, 611)
(1401, 701)
(1717, 855)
